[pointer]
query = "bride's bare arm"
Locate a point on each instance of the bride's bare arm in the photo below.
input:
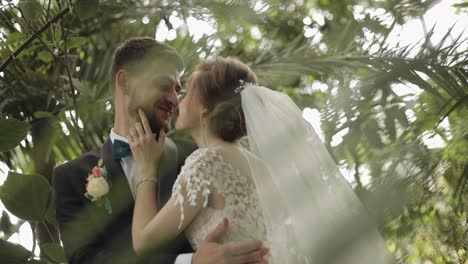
(152, 229)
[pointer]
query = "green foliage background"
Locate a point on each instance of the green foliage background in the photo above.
(54, 94)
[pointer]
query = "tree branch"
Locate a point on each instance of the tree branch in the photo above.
(74, 91)
(38, 36)
(455, 106)
(23, 46)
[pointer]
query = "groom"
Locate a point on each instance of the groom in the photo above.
(144, 74)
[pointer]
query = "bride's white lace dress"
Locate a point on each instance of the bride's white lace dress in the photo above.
(206, 172)
(213, 174)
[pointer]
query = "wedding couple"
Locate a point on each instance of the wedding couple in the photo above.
(143, 198)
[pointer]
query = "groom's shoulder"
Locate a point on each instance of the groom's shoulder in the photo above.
(170, 144)
(184, 145)
(82, 164)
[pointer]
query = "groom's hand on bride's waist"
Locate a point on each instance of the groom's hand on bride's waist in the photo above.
(211, 251)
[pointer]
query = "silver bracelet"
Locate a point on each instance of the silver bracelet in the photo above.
(146, 180)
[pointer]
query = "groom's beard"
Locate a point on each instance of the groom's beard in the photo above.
(155, 113)
(154, 122)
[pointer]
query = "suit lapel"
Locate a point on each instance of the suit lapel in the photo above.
(167, 172)
(120, 194)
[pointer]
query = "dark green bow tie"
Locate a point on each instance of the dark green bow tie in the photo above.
(120, 149)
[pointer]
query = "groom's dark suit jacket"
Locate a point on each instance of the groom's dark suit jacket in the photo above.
(91, 235)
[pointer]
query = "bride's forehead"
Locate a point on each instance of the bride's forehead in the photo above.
(192, 80)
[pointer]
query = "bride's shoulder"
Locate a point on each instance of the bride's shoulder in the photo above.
(202, 154)
(255, 160)
(199, 161)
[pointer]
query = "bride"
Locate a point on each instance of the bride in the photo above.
(284, 190)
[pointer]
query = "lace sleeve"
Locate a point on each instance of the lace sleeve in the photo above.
(194, 183)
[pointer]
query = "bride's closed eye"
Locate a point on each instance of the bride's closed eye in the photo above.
(181, 95)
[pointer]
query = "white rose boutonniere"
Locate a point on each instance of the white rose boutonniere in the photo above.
(98, 186)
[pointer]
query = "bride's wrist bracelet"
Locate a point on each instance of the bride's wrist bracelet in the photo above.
(146, 180)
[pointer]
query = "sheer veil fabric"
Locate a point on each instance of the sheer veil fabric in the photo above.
(312, 214)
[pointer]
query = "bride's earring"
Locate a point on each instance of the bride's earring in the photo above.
(203, 124)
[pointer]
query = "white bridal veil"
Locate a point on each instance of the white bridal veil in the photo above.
(312, 213)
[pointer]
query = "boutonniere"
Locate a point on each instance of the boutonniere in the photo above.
(97, 187)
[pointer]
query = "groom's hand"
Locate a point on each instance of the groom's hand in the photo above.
(211, 252)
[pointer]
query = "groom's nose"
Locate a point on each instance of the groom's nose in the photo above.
(173, 99)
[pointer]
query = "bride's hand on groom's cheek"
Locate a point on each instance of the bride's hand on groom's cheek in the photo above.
(210, 251)
(145, 149)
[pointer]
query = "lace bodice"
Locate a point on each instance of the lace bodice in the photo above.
(205, 173)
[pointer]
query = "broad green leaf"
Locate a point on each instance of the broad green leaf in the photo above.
(26, 196)
(32, 9)
(45, 56)
(13, 131)
(13, 253)
(86, 8)
(55, 251)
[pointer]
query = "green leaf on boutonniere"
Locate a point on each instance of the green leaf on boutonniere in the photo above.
(107, 205)
(100, 162)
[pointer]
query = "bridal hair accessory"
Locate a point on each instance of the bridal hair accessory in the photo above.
(97, 187)
(203, 124)
(243, 84)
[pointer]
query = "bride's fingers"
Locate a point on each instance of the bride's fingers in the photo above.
(133, 133)
(139, 130)
(131, 143)
(244, 247)
(252, 257)
(145, 122)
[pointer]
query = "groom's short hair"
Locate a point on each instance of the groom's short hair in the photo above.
(137, 54)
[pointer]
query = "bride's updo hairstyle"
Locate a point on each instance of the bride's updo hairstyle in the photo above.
(215, 81)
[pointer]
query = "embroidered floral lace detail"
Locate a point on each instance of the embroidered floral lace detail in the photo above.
(205, 172)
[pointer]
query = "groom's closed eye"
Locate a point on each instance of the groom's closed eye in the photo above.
(165, 83)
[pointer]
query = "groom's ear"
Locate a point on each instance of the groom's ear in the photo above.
(121, 78)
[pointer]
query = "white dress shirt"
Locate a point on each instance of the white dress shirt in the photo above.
(129, 167)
